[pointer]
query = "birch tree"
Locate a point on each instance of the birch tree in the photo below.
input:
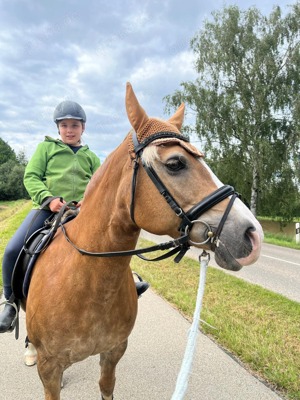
(245, 97)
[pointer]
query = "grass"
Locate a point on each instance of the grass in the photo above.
(11, 215)
(281, 239)
(278, 219)
(259, 327)
(11, 208)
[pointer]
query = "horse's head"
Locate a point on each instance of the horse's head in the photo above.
(209, 212)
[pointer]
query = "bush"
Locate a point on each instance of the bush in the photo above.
(11, 181)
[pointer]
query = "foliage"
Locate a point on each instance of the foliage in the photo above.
(281, 197)
(21, 158)
(12, 169)
(246, 101)
(6, 153)
(11, 181)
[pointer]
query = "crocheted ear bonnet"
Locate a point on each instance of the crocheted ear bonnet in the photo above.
(145, 126)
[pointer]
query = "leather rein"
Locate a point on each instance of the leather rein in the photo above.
(189, 218)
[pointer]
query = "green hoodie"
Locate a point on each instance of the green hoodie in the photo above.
(55, 170)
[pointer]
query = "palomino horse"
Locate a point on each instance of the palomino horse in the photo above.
(80, 305)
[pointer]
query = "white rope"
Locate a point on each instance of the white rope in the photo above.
(182, 379)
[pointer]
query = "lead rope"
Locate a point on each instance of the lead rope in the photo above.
(182, 379)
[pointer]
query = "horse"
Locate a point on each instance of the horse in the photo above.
(81, 304)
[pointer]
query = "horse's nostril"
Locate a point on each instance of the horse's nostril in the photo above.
(250, 238)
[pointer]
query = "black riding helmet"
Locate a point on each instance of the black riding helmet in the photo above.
(69, 110)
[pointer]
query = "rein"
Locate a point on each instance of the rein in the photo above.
(189, 218)
(177, 243)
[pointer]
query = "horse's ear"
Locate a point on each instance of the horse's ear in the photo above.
(136, 114)
(177, 118)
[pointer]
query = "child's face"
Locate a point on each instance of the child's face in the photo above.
(70, 131)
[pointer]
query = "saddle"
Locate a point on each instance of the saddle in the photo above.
(32, 248)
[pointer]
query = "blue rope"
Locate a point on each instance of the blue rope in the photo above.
(183, 377)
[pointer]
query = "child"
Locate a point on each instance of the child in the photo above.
(59, 169)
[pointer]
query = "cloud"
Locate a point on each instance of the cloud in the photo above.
(52, 51)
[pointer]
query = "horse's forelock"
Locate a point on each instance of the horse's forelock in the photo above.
(150, 154)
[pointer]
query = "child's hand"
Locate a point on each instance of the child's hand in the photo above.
(56, 205)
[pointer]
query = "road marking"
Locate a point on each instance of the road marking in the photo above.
(279, 259)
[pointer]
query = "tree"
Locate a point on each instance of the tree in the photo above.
(281, 196)
(6, 152)
(246, 96)
(21, 158)
(11, 181)
(12, 169)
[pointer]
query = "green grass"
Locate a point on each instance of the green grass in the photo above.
(11, 215)
(278, 219)
(259, 327)
(281, 239)
(11, 208)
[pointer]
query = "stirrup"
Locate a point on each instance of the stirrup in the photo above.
(138, 276)
(141, 281)
(15, 321)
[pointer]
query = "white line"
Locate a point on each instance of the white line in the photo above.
(279, 259)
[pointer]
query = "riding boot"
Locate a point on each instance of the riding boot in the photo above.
(141, 287)
(8, 316)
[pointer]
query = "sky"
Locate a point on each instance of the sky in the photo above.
(51, 51)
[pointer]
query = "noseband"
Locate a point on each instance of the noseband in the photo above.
(190, 217)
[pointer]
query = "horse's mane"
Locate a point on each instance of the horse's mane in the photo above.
(103, 167)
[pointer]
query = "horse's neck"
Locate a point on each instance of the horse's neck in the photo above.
(105, 215)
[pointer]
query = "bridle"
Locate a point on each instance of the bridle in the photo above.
(188, 219)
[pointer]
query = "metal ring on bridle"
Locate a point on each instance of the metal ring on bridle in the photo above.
(210, 233)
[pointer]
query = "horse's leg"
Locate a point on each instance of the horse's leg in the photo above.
(108, 362)
(30, 355)
(50, 373)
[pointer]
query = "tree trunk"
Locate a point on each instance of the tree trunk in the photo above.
(254, 190)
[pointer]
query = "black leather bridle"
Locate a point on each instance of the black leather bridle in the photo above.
(189, 218)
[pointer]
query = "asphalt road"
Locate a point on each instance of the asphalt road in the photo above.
(278, 268)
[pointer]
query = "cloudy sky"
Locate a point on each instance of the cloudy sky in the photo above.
(86, 51)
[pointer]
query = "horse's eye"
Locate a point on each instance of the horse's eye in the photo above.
(175, 164)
